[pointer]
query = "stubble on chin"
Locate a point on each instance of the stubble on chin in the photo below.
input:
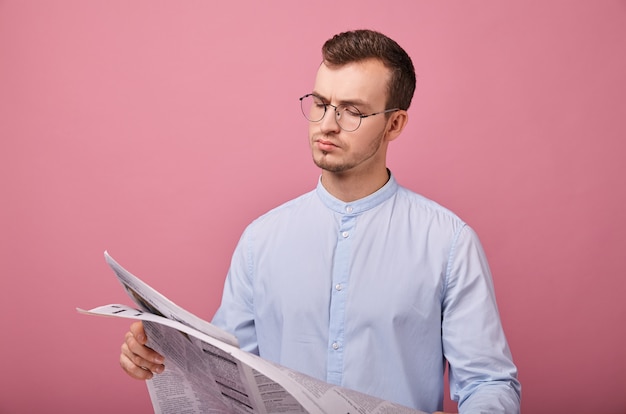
(325, 165)
(320, 158)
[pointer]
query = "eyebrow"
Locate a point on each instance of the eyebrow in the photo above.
(355, 102)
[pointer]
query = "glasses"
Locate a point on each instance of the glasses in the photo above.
(348, 116)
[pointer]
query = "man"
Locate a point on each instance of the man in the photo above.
(361, 282)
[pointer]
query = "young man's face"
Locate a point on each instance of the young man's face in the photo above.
(364, 85)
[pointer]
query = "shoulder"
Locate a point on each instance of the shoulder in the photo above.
(417, 205)
(294, 209)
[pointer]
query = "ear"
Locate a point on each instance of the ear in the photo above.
(395, 124)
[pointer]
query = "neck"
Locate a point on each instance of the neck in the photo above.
(348, 187)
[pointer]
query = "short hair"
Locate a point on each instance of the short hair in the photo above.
(358, 45)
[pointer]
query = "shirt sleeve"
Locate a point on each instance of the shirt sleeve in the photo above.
(483, 377)
(236, 312)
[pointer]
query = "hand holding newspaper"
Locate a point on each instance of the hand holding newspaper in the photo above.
(207, 372)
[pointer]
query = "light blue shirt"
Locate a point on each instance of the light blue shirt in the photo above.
(374, 295)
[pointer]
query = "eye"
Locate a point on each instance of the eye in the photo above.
(317, 102)
(351, 111)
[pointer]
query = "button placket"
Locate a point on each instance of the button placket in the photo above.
(340, 283)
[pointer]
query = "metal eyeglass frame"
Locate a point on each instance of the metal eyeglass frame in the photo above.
(338, 114)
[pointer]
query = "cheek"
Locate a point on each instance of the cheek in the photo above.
(312, 130)
(315, 132)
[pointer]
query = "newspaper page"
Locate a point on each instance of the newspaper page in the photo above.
(149, 300)
(206, 372)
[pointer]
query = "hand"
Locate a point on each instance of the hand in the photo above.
(139, 361)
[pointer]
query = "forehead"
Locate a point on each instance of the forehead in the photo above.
(364, 81)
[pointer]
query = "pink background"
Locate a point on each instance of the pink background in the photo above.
(158, 130)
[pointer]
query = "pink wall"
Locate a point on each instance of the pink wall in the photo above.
(158, 130)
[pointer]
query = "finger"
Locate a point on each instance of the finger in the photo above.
(138, 348)
(138, 333)
(136, 328)
(140, 353)
(133, 370)
(137, 366)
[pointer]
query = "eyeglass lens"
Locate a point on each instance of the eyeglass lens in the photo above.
(348, 117)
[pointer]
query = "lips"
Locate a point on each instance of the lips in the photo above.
(325, 144)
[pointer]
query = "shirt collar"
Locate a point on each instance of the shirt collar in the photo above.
(360, 205)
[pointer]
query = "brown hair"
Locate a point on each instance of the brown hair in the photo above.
(358, 45)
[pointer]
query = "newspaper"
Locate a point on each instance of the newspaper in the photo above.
(206, 372)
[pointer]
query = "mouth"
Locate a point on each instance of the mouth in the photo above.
(325, 144)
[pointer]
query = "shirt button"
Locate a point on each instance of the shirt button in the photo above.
(338, 286)
(349, 209)
(345, 234)
(335, 346)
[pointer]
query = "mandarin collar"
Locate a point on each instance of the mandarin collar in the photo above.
(360, 205)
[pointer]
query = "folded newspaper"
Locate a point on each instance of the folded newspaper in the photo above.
(207, 372)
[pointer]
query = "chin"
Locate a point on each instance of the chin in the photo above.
(333, 168)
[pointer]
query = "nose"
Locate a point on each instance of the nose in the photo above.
(329, 121)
